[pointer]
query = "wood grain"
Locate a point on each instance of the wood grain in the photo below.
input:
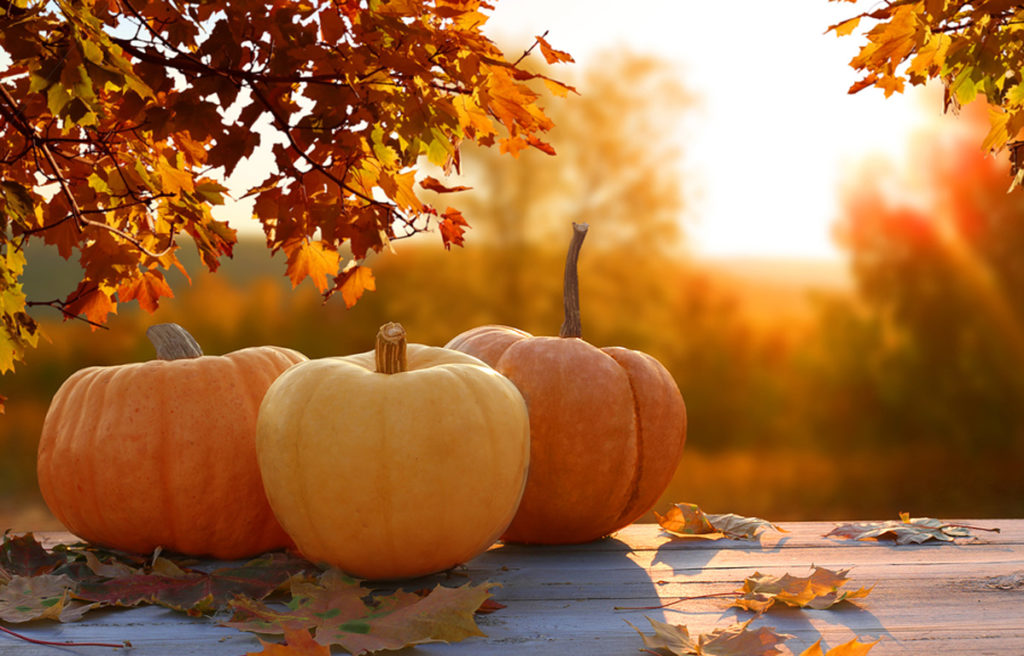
(933, 598)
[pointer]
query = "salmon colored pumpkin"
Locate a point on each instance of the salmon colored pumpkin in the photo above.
(607, 425)
(162, 453)
(395, 463)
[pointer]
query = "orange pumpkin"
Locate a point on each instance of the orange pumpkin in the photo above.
(607, 425)
(162, 453)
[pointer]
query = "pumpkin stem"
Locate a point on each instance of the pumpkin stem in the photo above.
(571, 327)
(172, 342)
(390, 349)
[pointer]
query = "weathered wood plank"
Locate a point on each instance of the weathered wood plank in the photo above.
(927, 599)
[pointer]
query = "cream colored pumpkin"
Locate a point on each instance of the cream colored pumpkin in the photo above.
(393, 475)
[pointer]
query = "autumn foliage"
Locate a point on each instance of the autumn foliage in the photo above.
(973, 48)
(120, 119)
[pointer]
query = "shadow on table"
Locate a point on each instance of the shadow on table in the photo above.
(833, 626)
(683, 554)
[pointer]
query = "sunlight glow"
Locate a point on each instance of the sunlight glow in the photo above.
(776, 131)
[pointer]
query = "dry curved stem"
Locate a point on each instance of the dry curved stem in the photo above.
(172, 342)
(571, 326)
(68, 643)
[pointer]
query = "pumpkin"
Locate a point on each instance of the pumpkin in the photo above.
(394, 463)
(162, 453)
(607, 425)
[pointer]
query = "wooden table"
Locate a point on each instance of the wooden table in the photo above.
(934, 598)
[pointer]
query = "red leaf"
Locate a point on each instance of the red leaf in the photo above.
(433, 184)
(453, 225)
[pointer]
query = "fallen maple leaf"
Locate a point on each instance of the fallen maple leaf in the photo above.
(296, 643)
(192, 591)
(340, 611)
(907, 530)
(819, 590)
(47, 596)
(24, 556)
(687, 520)
(852, 648)
(733, 640)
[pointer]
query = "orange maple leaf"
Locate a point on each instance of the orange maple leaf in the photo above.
(551, 55)
(147, 289)
(296, 643)
(352, 282)
(311, 259)
(90, 302)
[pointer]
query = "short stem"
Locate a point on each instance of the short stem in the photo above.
(390, 349)
(172, 342)
(572, 327)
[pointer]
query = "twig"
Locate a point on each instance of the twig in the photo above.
(673, 603)
(66, 643)
(60, 306)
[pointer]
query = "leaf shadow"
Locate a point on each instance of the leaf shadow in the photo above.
(805, 625)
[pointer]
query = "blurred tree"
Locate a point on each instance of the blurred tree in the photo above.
(619, 168)
(972, 47)
(940, 342)
(116, 118)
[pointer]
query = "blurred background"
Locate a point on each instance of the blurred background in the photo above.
(838, 293)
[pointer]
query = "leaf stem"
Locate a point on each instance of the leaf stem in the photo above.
(63, 644)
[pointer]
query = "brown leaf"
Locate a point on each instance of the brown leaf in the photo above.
(433, 184)
(687, 520)
(340, 611)
(819, 590)
(907, 530)
(194, 591)
(47, 596)
(733, 640)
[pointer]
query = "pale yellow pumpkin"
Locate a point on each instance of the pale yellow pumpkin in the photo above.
(394, 463)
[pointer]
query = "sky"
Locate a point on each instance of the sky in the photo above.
(776, 130)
